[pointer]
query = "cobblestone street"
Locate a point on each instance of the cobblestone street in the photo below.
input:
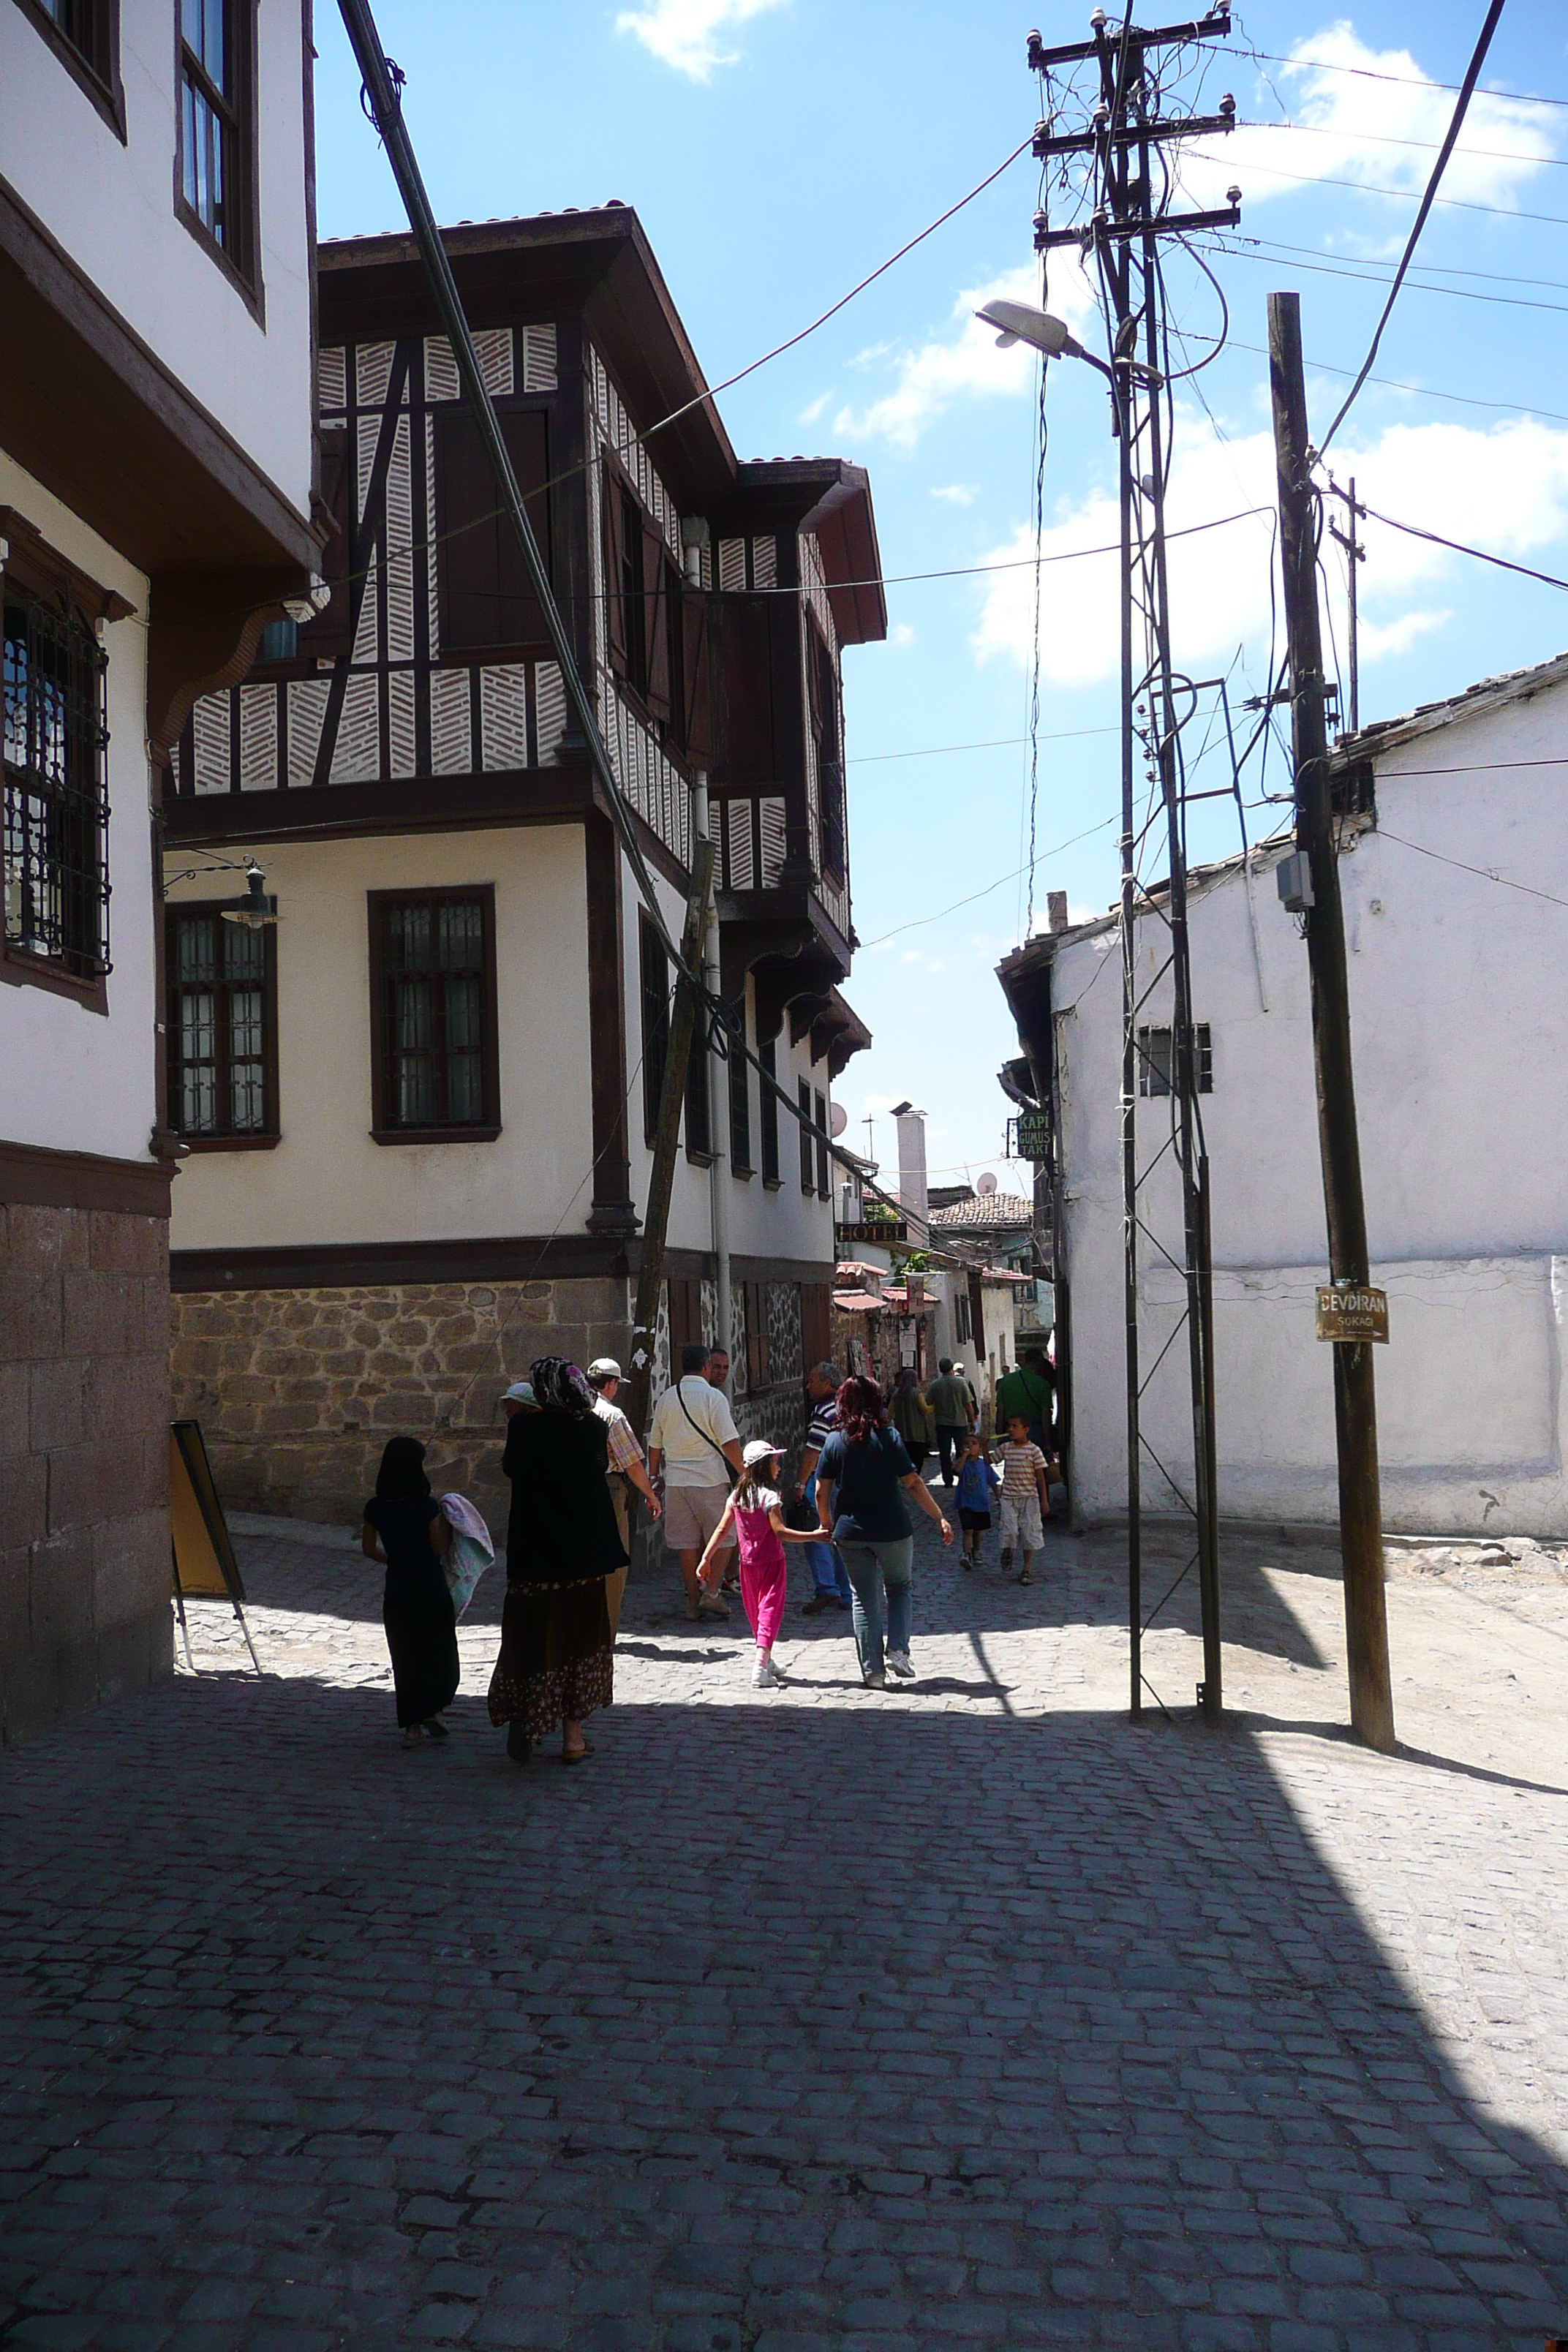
(965, 2014)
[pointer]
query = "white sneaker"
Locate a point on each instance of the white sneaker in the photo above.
(877, 1681)
(898, 1663)
(765, 1677)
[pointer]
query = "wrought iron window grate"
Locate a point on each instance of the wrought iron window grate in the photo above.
(56, 808)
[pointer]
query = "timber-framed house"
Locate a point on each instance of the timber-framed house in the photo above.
(418, 1109)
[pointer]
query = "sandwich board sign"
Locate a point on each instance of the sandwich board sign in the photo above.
(205, 1566)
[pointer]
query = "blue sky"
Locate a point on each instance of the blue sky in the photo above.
(777, 150)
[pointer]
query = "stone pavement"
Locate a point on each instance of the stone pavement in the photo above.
(965, 2016)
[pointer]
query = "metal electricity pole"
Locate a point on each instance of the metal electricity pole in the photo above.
(1120, 241)
(1354, 554)
(1355, 1403)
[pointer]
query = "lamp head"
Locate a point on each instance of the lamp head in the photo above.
(1019, 322)
(257, 910)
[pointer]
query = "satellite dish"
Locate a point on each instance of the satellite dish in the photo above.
(838, 1120)
(987, 1185)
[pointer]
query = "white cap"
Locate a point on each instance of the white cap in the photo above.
(956, 1370)
(604, 1368)
(759, 1450)
(520, 1393)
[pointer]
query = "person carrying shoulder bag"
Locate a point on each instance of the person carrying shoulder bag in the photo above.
(694, 1445)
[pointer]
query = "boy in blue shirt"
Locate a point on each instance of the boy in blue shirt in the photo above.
(977, 1482)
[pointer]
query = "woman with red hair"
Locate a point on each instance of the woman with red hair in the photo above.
(862, 1476)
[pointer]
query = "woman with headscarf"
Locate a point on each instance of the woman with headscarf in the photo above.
(556, 1662)
(863, 1478)
(404, 1531)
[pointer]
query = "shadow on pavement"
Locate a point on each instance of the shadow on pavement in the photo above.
(774, 2028)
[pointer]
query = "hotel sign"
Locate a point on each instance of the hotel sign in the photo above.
(893, 1232)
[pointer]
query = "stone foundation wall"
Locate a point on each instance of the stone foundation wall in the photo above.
(84, 1460)
(298, 1391)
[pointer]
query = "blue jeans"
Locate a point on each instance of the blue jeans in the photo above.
(871, 1567)
(827, 1568)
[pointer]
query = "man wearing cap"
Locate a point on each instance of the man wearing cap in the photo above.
(694, 1443)
(625, 1471)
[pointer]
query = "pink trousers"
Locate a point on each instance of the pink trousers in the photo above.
(763, 1589)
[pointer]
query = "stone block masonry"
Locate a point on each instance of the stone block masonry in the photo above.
(298, 1391)
(84, 1459)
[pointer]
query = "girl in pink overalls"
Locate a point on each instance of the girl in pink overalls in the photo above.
(755, 1511)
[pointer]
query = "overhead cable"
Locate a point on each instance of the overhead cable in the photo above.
(1472, 74)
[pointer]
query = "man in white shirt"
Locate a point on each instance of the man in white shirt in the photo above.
(692, 1439)
(626, 1471)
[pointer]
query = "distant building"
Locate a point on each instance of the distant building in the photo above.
(1454, 874)
(157, 473)
(433, 1171)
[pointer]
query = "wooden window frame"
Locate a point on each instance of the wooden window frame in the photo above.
(240, 258)
(824, 1165)
(653, 984)
(268, 1135)
(772, 1179)
(824, 701)
(807, 1153)
(38, 573)
(656, 635)
(382, 1129)
(739, 1099)
(98, 80)
(701, 1147)
(534, 642)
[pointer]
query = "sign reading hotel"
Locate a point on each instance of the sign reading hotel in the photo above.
(1344, 1313)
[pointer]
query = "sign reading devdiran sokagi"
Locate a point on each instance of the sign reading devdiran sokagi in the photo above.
(1352, 1313)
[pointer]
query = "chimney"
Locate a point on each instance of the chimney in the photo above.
(912, 1124)
(1056, 910)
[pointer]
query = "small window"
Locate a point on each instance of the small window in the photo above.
(822, 682)
(222, 1027)
(962, 1327)
(1156, 1063)
(85, 37)
(808, 1157)
(56, 812)
(217, 127)
(768, 1056)
(698, 1122)
(487, 599)
(739, 1096)
(655, 965)
(434, 995)
(824, 1185)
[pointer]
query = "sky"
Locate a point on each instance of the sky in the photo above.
(777, 151)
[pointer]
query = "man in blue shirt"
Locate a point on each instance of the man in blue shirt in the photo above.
(832, 1585)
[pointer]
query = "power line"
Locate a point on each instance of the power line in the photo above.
(1367, 264)
(1372, 188)
(1252, 249)
(1482, 873)
(1400, 81)
(996, 743)
(1472, 74)
(1388, 138)
(920, 922)
(1422, 390)
(1415, 531)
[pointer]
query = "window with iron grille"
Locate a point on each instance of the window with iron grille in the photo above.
(767, 1054)
(222, 1025)
(433, 989)
(217, 129)
(56, 811)
(739, 1095)
(1156, 1062)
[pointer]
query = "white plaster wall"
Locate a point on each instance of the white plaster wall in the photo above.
(112, 209)
(1459, 1022)
(327, 1180)
(70, 1078)
(783, 1225)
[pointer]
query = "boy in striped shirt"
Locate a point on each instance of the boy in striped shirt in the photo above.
(1025, 1504)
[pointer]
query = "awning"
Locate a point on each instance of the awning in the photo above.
(857, 1302)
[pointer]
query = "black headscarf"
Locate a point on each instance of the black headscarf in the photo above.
(560, 1387)
(401, 1477)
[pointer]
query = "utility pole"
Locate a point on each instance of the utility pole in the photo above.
(667, 1135)
(1354, 554)
(1355, 1401)
(1121, 242)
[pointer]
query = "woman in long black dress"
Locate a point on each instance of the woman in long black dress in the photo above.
(556, 1662)
(404, 1529)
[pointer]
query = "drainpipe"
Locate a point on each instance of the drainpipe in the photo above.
(693, 540)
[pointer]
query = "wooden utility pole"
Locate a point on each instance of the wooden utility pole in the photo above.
(1355, 1403)
(667, 1135)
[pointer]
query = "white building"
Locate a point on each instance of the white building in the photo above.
(156, 482)
(1455, 880)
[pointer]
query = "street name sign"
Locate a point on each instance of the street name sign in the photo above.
(1344, 1313)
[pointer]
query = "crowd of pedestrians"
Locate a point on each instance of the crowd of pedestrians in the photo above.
(577, 1474)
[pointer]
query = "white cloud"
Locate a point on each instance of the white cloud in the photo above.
(813, 408)
(1349, 122)
(687, 34)
(968, 364)
(1504, 488)
(958, 494)
(901, 634)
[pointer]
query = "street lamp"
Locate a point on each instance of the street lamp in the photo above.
(257, 910)
(1020, 323)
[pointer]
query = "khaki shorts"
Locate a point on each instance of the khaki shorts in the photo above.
(692, 1513)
